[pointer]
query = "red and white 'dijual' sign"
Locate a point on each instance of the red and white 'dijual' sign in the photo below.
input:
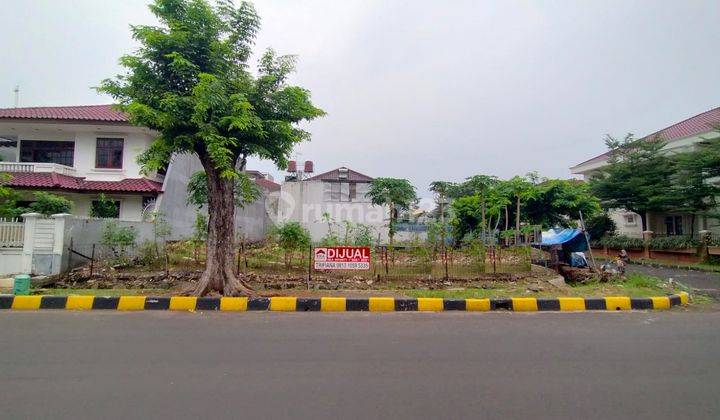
(342, 258)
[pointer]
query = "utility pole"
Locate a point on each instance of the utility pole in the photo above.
(17, 95)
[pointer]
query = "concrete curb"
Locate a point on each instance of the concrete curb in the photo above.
(338, 304)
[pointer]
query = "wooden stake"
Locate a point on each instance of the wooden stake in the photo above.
(92, 260)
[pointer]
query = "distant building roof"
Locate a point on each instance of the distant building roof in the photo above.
(51, 180)
(334, 175)
(266, 183)
(83, 113)
(701, 123)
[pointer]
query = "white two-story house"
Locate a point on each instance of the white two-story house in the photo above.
(78, 152)
(679, 137)
(337, 196)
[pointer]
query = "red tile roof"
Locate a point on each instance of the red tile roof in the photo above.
(334, 175)
(53, 180)
(94, 113)
(266, 183)
(701, 123)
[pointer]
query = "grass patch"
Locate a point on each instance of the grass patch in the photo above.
(100, 292)
(635, 285)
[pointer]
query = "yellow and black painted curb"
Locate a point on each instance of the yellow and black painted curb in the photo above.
(338, 304)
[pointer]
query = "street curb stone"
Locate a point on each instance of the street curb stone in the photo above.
(339, 304)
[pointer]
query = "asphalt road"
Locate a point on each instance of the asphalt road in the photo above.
(359, 365)
(706, 281)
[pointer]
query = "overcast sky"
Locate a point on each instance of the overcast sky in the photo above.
(423, 89)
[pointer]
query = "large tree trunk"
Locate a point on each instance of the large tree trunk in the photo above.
(219, 275)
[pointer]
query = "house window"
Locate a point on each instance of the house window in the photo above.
(674, 225)
(630, 220)
(104, 212)
(41, 151)
(109, 153)
(345, 191)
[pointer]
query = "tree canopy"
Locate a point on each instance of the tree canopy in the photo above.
(644, 176)
(638, 177)
(394, 193)
(246, 191)
(190, 81)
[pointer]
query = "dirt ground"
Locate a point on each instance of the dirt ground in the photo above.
(180, 281)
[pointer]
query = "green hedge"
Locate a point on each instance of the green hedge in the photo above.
(665, 242)
(622, 242)
(674, 242)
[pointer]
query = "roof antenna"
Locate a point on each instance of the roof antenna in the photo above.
(17, 95)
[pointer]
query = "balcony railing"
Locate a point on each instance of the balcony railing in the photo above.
(36, 167)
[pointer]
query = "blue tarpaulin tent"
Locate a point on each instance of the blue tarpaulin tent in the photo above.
(571, 240)
(564, 243)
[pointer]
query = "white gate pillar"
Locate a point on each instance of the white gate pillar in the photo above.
(30, 221)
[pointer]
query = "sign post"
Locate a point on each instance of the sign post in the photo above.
(342, 258)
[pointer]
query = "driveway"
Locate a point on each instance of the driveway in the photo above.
(705, 281)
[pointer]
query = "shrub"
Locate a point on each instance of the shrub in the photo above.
(48, 204)
(674, 242)
(362, 235)
(599, 226)
(148, 254)
(200, 228)
(291, 236)
(117, 237)
(104, 208)
(622, 242)
(8, 199)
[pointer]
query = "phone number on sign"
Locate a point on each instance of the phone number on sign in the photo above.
(323, 265)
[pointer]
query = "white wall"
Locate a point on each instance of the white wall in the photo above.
(130, 205)
(136, 140)
(304, 202)
(10, 261)
(623, 227)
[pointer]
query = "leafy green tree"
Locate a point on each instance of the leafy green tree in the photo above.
(696, 173)
(479, 186)
(467, 216)
(559, 202)
(599, 226)
(442, 189)
(190, 81)
(638, 177)
(397, 194)
(246, 191)
(521, 189)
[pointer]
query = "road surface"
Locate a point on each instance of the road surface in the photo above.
(74, 365)
(706, 281)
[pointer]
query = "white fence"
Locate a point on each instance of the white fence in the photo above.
(40, 245)
(11, 233)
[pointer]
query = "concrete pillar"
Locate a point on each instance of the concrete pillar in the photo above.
(647, 235)
(30, 221)
(59, 241)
